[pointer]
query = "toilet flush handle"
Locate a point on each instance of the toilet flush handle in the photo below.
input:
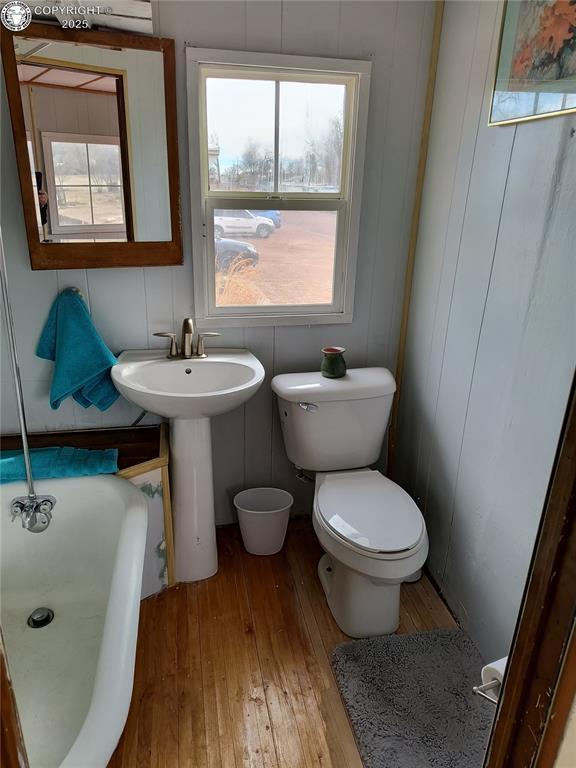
(311, 407)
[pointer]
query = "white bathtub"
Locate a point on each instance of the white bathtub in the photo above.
(73, 678)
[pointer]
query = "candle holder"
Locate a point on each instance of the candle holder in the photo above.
(333, 363)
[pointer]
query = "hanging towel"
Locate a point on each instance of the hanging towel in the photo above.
(82, 361)
(58, 462)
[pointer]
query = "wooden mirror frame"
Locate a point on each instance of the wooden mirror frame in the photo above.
(95, 255)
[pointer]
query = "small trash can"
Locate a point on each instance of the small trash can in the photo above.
(263, 516)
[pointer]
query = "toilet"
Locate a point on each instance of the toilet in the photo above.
(373, 534)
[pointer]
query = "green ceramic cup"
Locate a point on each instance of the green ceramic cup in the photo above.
(333, 363)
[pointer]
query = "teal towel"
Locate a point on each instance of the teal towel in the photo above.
(58, 462)
(82, 361)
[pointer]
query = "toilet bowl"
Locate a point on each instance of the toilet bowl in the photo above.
(374, 538)
(372, 532)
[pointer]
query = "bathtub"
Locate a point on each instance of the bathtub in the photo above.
(73, 678)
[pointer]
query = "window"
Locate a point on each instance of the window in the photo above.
(84, 184)
(277, 153)
(32, 161)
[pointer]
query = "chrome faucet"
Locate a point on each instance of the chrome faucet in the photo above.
(35, 512)
(192, 342)
(187, 344)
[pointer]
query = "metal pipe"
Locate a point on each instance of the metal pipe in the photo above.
(16, 370)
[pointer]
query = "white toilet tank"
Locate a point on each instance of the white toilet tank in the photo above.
(331, 424)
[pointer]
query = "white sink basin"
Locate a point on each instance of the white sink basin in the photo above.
(188, 389)
(189, 393)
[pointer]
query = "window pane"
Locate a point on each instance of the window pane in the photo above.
(240, 125)
(275, 258)
(70, 163)
(105, 166)
(73, 206)
(311, 136)
(107, 205)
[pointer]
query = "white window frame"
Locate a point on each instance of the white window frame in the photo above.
(33, 168)
(356, 75)
(75, 138)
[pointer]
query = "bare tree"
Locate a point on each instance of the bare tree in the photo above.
(319, 164)
(332, 154)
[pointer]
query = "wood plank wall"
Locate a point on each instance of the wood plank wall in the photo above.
(128, 305)
(490, 349)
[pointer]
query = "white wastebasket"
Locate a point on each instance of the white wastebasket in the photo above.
(263, 516)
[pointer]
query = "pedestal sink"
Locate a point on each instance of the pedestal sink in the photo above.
(189, 392)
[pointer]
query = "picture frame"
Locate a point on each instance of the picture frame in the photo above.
(536, 64)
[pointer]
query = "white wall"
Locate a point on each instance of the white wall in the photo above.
(64, 110)
(491, 343)
(128, 305)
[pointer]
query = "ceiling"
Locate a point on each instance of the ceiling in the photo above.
(33, 74)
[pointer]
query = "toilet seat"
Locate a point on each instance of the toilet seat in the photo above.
(369, 513)
(374, 538)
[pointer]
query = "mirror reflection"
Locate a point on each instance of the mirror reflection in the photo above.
(96, 139)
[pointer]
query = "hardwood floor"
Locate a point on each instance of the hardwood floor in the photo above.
(235, 672)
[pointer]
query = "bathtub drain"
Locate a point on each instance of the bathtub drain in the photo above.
(40, 617)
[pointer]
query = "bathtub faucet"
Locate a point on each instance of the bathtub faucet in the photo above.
(35, 512)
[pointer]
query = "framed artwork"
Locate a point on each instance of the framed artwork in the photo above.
(536, 68)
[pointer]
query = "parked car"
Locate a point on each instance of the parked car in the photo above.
(230, 251)
(238, 222)
(274, 216)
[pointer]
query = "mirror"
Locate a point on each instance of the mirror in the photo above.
(94, 122)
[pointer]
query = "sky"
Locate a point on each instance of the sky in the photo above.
(239, 110)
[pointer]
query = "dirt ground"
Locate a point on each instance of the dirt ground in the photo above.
(296, 263)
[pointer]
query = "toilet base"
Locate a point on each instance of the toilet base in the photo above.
(414, 577)
(361, 606)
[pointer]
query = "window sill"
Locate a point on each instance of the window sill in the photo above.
(248, 321)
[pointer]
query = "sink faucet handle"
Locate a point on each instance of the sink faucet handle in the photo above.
(173, 344)
(201, 352)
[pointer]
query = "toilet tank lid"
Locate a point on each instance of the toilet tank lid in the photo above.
(357, 384)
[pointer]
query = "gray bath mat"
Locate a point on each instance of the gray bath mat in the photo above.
(410, 700)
